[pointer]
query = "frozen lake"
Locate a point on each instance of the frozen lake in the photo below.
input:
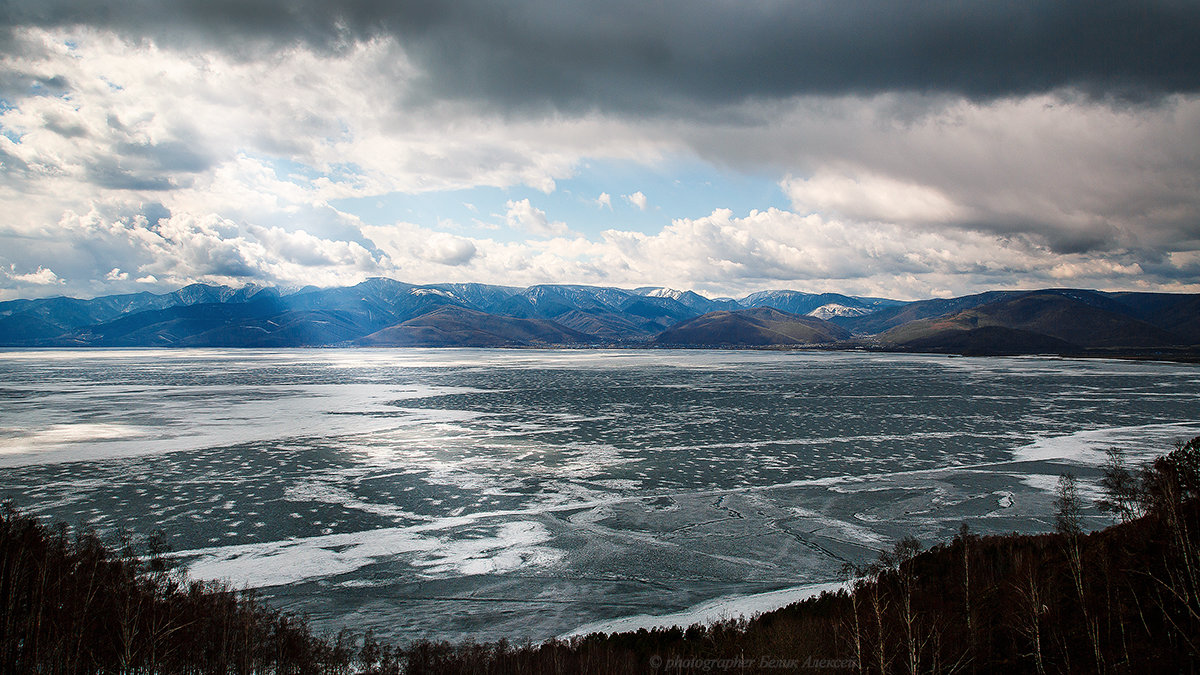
(506, 493)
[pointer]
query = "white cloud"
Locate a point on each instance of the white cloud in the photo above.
(43, 276)
(871, 198)
(522, 215)
(115, 274)
(1094, 269)
(604, 201)
(774, 248)
(1080, 175)
(421, 252)
(417, 253)
(637, 199)
(180, 248)
(723, 253)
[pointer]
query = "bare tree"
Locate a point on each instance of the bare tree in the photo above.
(1068, 509)
(1168, 483)
(854, 582)
(1031, 607)
(1122, 488)
(965, 539)
(1068, 521)
(879, 607)
(903, 553)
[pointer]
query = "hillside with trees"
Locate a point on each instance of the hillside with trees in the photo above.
(73, 603)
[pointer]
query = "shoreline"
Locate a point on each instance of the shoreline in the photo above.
(1184, 355)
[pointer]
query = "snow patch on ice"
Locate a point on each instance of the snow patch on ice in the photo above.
(1088, 491)
(1088, 447)
(510, 546)
(850, 530)
(515, 545)
(324, 492)
(725, 607)
(17, 440)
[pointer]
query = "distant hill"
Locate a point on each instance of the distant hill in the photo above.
(311, 319)
(34, 321)
(452, 326)
(898, 315)
(610, 314)
(752, 327)
(386, 311)
(1179, 314)
(1053, 321)
(985, 341)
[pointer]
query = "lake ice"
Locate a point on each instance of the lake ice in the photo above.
(518, 493)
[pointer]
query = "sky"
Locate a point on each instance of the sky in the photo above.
(883, 148)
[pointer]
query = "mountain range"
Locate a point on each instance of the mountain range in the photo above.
(385, 312)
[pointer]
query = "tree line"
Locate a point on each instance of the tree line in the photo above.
(72, 603)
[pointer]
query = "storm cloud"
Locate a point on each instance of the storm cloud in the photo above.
(670, 54)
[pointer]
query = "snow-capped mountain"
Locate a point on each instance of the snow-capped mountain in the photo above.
(836, 309)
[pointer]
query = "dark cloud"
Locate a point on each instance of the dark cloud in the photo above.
(636, 55)
(147, 166)
(13, 166)
(169, 156)
(64, 127)
(154, 212)
(15, 84)
(1064, 241)
(108, 173)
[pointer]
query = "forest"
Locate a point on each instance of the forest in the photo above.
(1118, 600)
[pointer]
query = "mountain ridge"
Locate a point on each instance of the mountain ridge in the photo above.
(1047, 321)
(759, 326)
